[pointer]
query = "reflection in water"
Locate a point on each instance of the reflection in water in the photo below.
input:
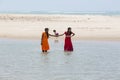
(56, 41)
(44, 53)
(44, 57)
(88, 61)
(68, 53)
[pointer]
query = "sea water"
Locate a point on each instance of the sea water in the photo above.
(90, 60)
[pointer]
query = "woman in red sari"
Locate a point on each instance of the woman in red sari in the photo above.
(68, 43)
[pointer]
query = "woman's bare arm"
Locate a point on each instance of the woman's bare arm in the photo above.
(52, 35)
(73, 34)
(61, 34)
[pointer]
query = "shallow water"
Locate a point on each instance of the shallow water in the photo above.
(90, 60)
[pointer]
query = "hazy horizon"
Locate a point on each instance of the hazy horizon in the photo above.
(60, 6)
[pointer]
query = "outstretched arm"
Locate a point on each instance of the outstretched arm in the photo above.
(61, 34)
(52, 35)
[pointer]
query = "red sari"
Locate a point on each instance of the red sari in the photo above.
(68, 43)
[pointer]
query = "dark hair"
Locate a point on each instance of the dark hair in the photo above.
(69, 32)
(46, 31)
(54, 30)
(69, 28)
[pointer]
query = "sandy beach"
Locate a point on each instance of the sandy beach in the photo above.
(88, 27)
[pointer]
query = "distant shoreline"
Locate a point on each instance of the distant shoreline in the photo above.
(65, 13)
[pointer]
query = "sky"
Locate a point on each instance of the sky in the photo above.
(59, 5)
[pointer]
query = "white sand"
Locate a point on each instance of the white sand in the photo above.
(84, 26)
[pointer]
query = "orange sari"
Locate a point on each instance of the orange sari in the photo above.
(45, 44)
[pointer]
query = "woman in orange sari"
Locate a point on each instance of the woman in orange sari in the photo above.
(44, 40)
